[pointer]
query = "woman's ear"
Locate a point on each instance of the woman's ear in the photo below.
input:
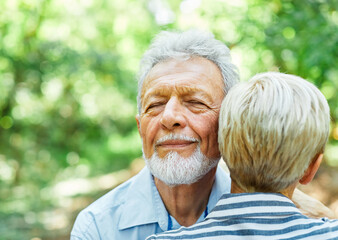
(312, 169)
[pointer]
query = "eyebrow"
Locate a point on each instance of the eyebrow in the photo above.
(183, 90)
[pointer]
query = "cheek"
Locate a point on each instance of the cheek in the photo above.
(149, 129)
(208, 129)
(212, 141)
(212, 138)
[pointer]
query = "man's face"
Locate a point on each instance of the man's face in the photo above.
(181, 97)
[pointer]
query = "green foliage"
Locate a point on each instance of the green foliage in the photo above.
(68, 87)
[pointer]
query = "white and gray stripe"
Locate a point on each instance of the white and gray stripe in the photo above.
(256, 216)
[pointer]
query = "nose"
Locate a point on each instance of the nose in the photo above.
(173, 115)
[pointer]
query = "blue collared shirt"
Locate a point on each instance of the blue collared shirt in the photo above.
(262, 216)
(134, 210)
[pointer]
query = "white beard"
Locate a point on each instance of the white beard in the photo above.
(174, 169)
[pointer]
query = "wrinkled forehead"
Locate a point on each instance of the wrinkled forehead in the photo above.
(194, 73)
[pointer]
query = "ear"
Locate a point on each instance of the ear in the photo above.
(138, 121)
(311, 170)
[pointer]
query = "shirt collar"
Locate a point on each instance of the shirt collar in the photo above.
(222, 185)
(143, 194)
(138, 207)
(253, 204)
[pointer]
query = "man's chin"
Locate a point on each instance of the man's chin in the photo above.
(175, 170)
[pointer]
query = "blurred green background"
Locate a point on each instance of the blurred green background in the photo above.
(68, 89)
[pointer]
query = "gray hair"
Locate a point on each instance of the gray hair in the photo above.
(270, 129)
(172, 45)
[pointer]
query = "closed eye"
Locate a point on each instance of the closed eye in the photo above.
(154, 105)
(197, 104)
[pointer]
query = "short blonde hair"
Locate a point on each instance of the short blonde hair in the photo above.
(270, 129)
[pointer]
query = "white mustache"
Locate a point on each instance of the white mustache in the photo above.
(173, 136)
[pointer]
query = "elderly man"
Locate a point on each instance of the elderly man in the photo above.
(272, 134)
(183, 80)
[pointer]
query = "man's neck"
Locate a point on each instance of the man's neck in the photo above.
(186, 203)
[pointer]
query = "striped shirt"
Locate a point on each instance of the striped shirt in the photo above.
(256, 216)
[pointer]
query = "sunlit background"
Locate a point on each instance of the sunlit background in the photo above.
(68, 91)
